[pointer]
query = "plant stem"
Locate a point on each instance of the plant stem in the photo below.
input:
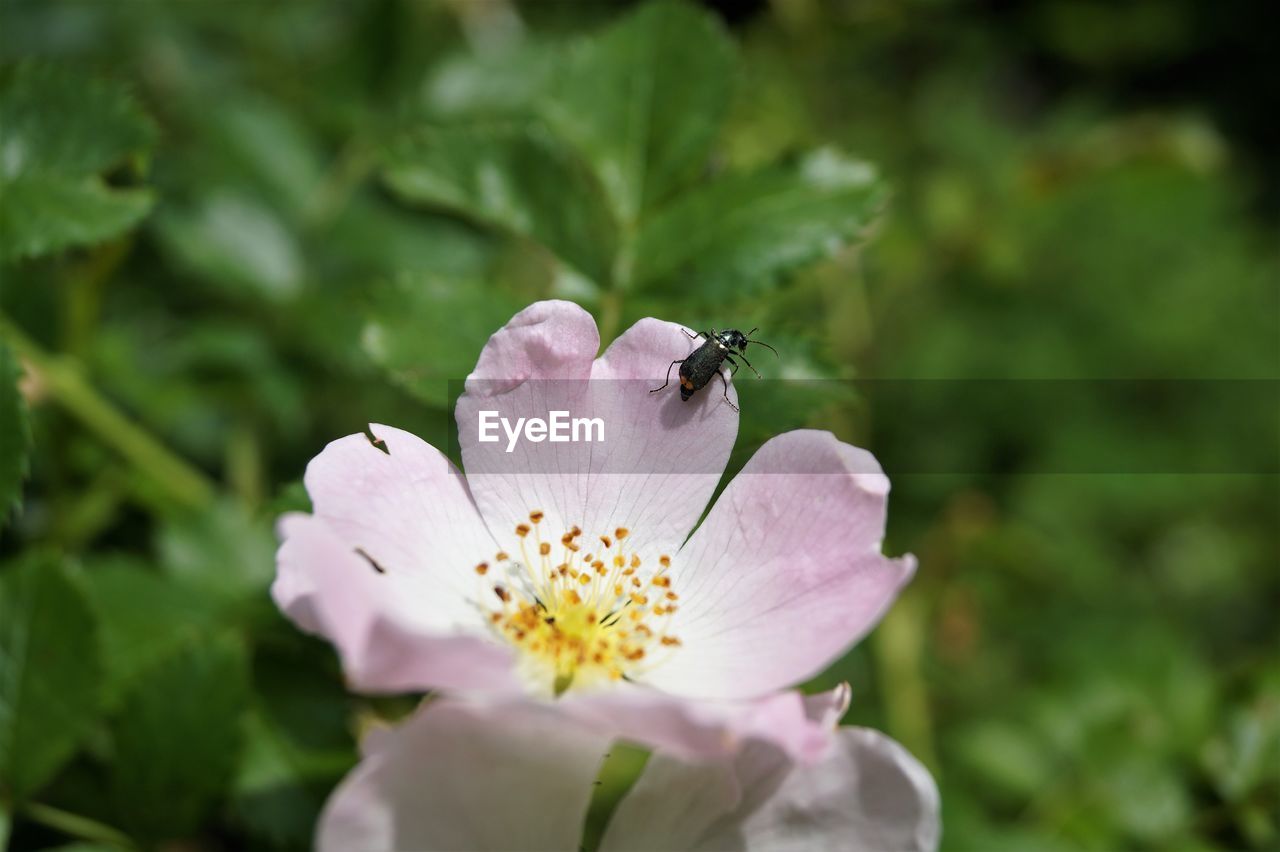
(62, 379)
(354, 164)
(610, 316)
(898, 647)
(76, 825)
(244, 464)
(6, 825)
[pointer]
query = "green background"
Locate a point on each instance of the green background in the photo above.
(231, 232)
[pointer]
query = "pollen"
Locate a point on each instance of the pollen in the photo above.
(578, 621)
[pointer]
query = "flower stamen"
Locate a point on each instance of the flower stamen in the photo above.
(576, 619)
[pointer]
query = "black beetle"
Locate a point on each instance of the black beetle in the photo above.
(697, 368)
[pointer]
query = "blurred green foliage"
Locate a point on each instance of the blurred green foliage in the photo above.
(234, 232)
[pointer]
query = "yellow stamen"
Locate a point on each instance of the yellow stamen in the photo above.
(577, 621)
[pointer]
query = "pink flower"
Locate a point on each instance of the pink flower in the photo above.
(560, 572)
(458, 776)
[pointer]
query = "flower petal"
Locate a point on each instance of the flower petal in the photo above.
(409, 510)
(547, 340)
(660, 458)
(785, 573)
(455, 776)
(674, 450)
(868, 793)
(387, 640)
(797, 726)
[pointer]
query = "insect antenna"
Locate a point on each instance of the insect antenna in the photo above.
(758, 343)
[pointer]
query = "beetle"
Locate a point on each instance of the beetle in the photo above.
(697, 368)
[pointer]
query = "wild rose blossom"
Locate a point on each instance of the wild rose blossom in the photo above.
(567, 575)
(432, 783)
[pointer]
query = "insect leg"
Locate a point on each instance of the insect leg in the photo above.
(689, 334)
(748, 363)
(668, 381)
(735, 364)
(726, 391)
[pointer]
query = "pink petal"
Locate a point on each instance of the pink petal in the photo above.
(455, 776)
(701, 730)
(868, 793)
(786, 573)
(660, 459)
(387, 639)
(547, 340)
(409, 510)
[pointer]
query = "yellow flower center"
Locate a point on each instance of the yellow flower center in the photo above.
(581, 615)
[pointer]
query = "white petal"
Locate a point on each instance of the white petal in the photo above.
(660, 459)
(867, 795)
(785, 573)
(409, 510)
(456, 776)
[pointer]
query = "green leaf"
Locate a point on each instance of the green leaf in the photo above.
(58, 132)
(144, 617)
(746, 232)
(644, 101)
(50, 672)
(225, 552)
(1006, 757)
(299, 743)
(270, 146)
(271, 799)
(424, 331)
(516, 178)
(235, 241)
(43, 213)
(178, 739)
(487, 84)
(15, 435)
(55, 120)
(1146, 797)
